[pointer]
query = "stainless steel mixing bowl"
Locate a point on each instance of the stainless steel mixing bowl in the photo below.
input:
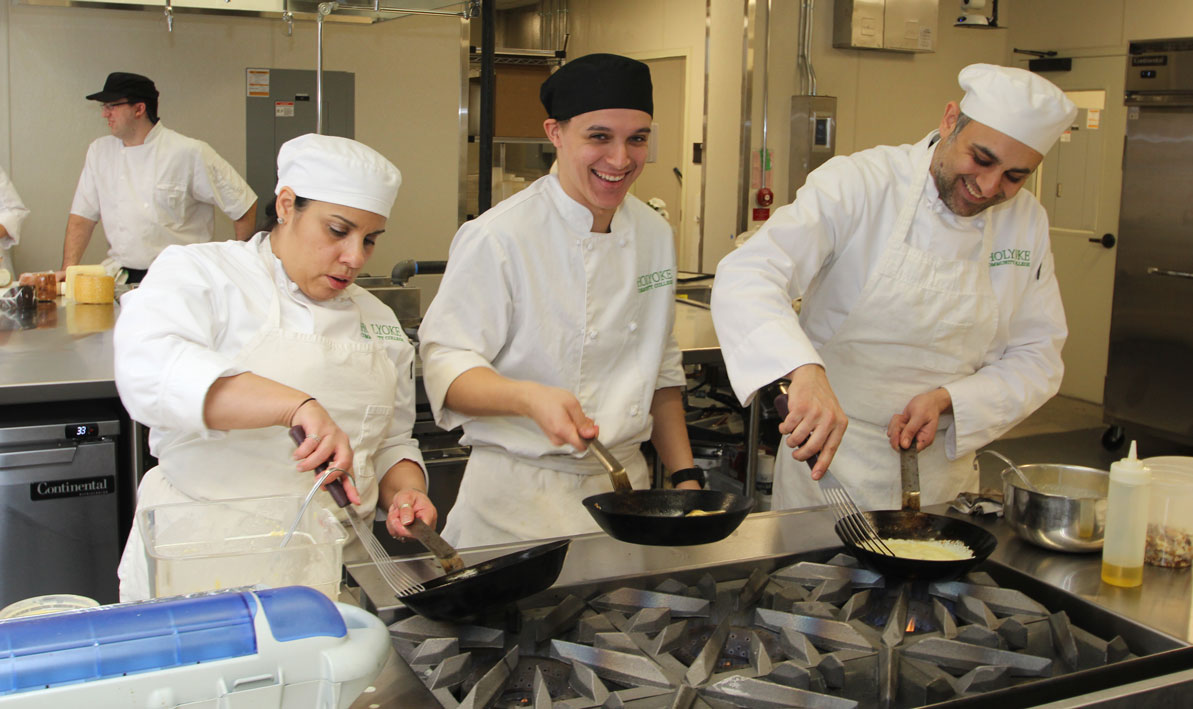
(1066, 513)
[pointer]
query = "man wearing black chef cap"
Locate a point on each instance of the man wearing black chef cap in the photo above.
(553, 323)
(150, 186)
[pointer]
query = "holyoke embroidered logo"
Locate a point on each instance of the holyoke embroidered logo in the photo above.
(382, 331)
(657, 279)
(1012, 257)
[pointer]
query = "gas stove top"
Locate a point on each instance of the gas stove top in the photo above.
(809, 630)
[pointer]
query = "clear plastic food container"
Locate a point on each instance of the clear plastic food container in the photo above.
(203, 546)
(44, 605)
(1170, 520)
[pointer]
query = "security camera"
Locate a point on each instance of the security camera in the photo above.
(973, 13)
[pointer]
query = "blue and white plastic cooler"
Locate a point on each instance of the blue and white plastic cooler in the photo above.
(285, 647)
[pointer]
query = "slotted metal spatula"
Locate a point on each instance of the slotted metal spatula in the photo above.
(399, 581)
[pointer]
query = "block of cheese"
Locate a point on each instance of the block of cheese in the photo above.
(94, 289)
(73, 272)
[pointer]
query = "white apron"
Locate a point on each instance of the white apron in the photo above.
(354, 381)
(505, 498)
(921, 321)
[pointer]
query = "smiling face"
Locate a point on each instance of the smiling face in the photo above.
(322, 245)
(600, 155)
(976, 167)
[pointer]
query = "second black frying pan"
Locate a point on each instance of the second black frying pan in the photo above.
(663, 517)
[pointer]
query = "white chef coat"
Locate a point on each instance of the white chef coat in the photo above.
(348, 364)
(12, 214)
(825, 246)
(159, 193)
(532, 293)
(201, 305)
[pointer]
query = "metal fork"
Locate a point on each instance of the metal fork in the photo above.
(854, 524)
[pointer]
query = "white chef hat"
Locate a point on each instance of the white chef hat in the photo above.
(1023, 105)
(338, 170)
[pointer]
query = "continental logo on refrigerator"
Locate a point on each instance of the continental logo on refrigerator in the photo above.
(657, 279)
(78, 487)
(1011, 257)
(382, 331)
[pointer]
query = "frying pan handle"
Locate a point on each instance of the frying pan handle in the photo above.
(336, 487)
(448, 557)
(617, 473)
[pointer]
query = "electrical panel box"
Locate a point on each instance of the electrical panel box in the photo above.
(281, 106)
(813, 138)
(893, 25)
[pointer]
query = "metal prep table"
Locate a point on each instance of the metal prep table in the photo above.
(1163, 602)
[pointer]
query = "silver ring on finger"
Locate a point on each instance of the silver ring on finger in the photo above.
(404, 505)
(316, 436)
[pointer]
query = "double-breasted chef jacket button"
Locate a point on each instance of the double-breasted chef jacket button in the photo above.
(633, 327)
(635, 409)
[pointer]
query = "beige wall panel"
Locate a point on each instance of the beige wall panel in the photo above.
(1157, 19)
(1066, 24)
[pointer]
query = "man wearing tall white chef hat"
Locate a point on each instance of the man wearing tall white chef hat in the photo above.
(930, 313)
(227, 344)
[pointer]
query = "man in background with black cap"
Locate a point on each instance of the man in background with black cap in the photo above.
(554, 317)
(150, 186)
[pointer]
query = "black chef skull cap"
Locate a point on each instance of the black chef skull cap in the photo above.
(127, 86)
(595, 82)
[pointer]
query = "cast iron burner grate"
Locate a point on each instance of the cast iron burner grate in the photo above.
(822, 635)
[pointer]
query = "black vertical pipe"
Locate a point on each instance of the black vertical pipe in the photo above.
(488, 93)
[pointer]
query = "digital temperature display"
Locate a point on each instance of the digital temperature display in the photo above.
(82, 431)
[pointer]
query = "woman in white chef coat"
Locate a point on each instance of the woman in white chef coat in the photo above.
(226, 345)
(930, 305)
(553, 323)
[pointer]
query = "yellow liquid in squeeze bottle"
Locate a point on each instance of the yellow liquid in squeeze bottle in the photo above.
(1126, 521)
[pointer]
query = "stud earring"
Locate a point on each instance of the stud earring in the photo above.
(281, 220)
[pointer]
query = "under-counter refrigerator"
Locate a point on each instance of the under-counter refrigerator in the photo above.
(60, 496)
(1149, 377)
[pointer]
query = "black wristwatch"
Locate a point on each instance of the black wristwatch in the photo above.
(682, 476)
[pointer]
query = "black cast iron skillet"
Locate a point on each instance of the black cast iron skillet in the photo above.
(467, 591)
(660, 517)
(910, 523)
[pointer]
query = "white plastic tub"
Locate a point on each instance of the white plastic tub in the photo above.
(204, 546)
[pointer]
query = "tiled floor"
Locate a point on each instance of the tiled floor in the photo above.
(1068, 431)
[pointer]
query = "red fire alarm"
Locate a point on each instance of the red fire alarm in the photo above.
(765, 197)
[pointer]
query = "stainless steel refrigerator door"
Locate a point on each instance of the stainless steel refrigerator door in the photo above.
(1149, 379)
(58, 521)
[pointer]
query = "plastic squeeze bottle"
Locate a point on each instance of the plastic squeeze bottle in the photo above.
(1126, 521)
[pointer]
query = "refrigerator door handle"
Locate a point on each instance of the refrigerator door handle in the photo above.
(1156, 271)
(44, 456)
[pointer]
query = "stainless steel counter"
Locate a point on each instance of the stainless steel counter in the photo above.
(68, 355)
(1163, 602)
(694, 332)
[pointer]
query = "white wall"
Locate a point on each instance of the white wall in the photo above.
(407, 100)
